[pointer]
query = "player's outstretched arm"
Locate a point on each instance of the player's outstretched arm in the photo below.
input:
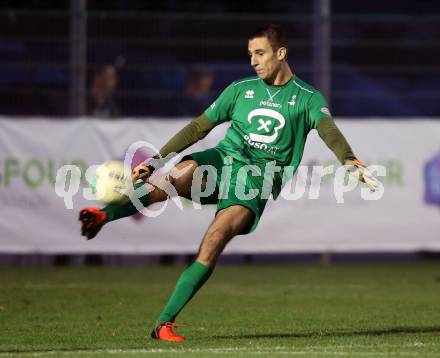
(334, 139)
(196, 130)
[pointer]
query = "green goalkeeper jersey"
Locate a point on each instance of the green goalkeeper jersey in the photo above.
(268, 123)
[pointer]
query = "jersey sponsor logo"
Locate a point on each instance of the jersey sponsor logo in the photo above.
(293, 101)
(249, 94)
(270, 104)
(275, 124)
(264, 125)
(326, 111)
(261, 146)
(212, 105)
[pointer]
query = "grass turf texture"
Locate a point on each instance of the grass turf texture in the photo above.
(264, 311)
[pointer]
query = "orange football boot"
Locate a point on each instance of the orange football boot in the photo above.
(92, 220)
(164, 332)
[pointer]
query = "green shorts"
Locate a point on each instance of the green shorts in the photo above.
(232, 185)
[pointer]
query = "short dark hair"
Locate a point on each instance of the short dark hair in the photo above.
(273, 33)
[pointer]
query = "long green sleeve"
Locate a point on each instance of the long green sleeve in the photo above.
(333, 138)
(197, 129)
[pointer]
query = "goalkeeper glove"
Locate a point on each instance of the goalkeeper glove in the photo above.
(359, 170)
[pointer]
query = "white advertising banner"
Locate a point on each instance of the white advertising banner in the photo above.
(318, 217)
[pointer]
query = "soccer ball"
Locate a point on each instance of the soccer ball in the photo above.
(109, 184)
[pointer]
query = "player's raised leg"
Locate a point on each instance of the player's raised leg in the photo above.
(93, 219)
(228, 223)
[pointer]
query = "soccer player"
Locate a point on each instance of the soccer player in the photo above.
(271, 115)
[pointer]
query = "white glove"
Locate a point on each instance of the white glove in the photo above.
(357, 169)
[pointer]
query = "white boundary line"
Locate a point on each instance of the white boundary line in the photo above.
(323, 350)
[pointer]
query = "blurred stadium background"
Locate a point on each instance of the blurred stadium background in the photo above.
(81, 80)
(381, 58)
(133, 66)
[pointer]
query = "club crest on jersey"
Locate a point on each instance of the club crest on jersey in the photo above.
(249, 94)
(293, 101)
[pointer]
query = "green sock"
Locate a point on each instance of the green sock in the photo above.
(118, 211)
(188, 284)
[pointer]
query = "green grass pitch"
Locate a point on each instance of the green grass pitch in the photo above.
(373, 310)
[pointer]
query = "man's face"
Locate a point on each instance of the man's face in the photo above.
(264, 60)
